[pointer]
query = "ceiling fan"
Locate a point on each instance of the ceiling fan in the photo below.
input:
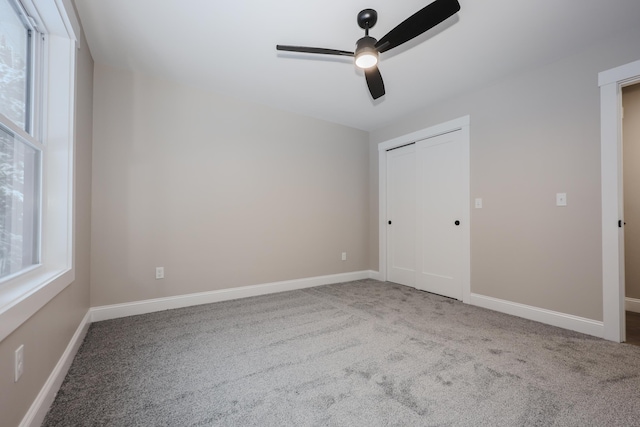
(368, 48)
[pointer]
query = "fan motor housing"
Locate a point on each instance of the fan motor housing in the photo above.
(366, 43)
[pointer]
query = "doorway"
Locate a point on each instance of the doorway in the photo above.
(424, 209)
(631, 209)
(611, 83)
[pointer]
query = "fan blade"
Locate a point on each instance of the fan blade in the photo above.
(319, 50)
(421, 21)
(374, 81)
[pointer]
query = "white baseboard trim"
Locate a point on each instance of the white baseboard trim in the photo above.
(40, 406)
(632, 304)
(375, 275)
(115, 311)
(554, 318)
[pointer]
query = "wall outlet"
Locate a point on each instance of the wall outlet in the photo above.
(561, 199)
(159, 272)
(19, 363)
(344, 256)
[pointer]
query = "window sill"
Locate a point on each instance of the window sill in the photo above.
(23, 296)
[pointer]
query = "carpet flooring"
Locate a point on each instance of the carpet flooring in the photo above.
(362, 353)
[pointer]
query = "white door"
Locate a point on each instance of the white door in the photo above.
(401, 215)
(440, 206)
(426, 195)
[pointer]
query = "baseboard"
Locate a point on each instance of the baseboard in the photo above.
(115, 311)
(375, 275)
(632, 304)
(40, 406)
(554, 318)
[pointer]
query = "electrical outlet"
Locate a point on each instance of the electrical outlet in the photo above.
(19, 362)
(344, 256)
(159, 272)
(561, 199)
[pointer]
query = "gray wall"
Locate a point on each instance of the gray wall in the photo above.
(631, 179)
(220, 192)
(46, 335)
(532, 136)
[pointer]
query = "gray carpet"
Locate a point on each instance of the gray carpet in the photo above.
(362, 353)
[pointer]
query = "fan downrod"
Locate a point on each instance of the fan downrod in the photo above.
(367, 19)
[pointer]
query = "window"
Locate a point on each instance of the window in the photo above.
(37, 94)
(19, 154)
(19, 204)
(15, 64)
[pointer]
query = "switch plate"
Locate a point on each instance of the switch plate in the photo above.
(344, 256)
(561, 199)
(159, 272)
(478, 203)
(19, 362)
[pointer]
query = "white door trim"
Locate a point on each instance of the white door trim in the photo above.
(611, 83)
(462, 124)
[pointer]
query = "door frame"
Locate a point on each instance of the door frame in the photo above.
(460, 124)
(611, 83)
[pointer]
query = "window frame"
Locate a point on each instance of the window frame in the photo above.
(53, 116)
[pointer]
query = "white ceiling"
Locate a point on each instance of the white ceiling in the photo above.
(229, 47)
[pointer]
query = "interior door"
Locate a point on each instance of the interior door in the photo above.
(401, 215)
(440, 205)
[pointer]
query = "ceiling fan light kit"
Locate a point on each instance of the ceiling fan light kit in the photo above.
(367, 51)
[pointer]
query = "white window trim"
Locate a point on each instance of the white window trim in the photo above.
(23, 296)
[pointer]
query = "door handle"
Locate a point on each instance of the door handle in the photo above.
(457, 222)
(389, 222)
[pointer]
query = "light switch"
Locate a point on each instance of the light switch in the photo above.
(561, 199)
(478, 203)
